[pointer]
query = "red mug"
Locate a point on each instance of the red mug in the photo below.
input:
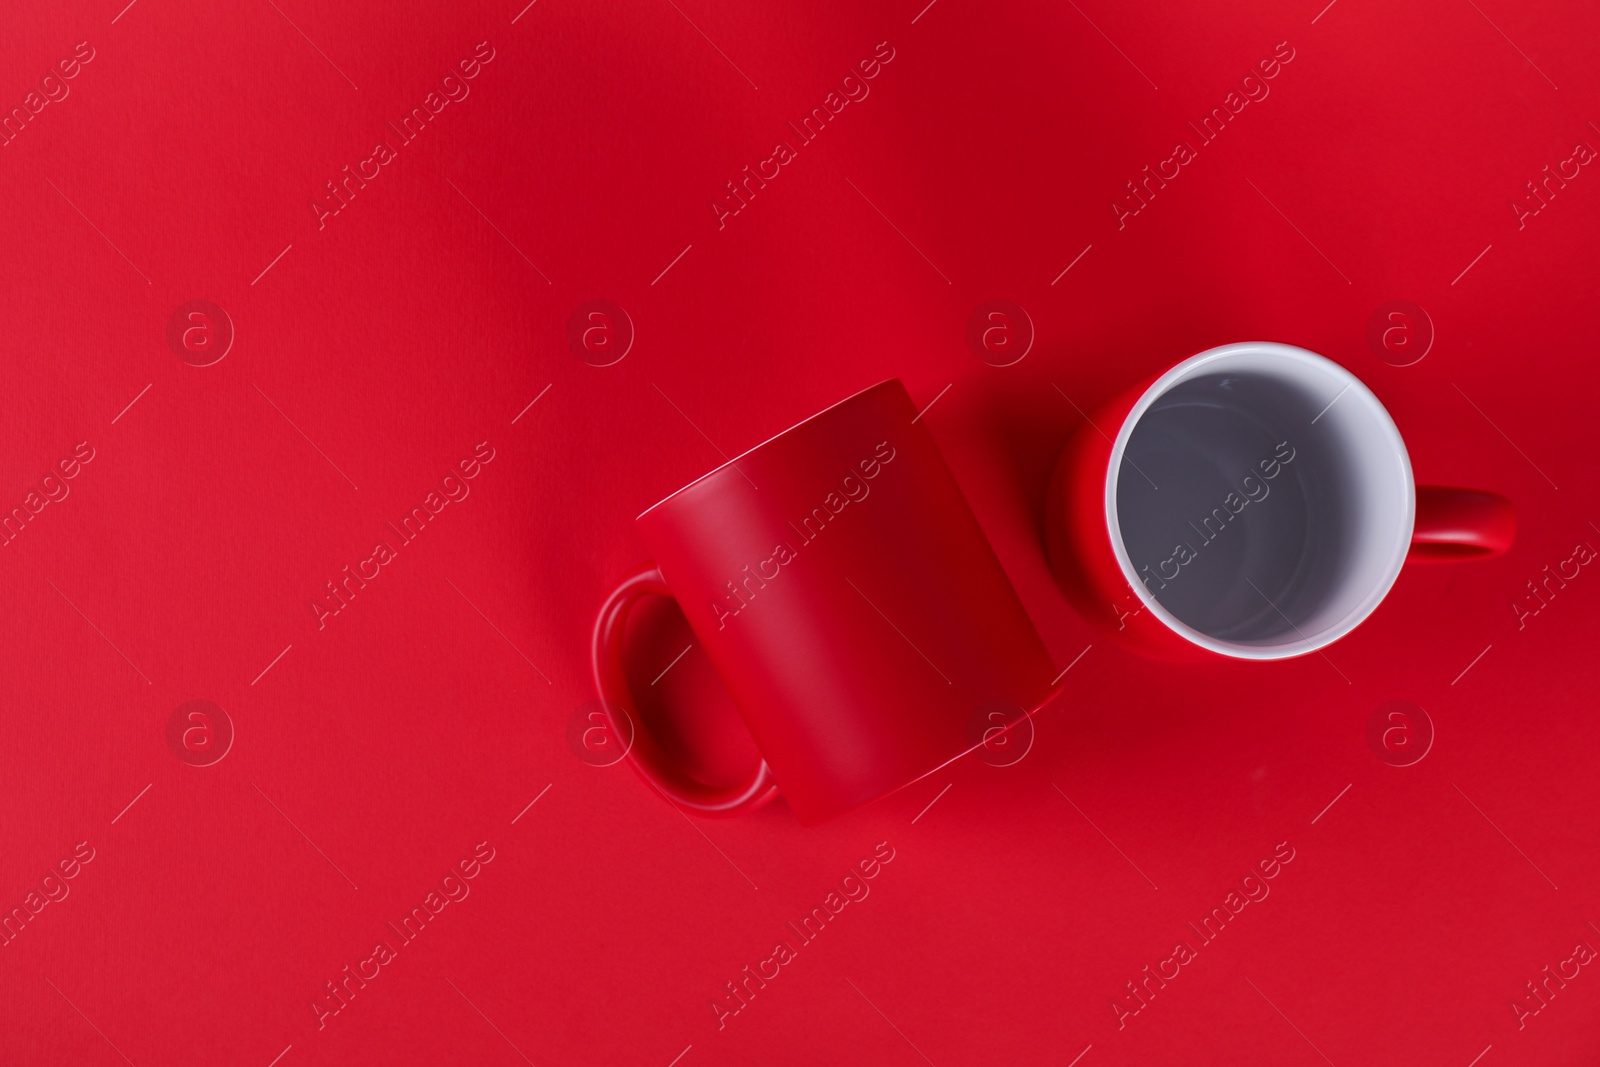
(849, 600)
(1255, 501)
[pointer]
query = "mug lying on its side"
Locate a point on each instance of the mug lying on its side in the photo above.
(847, 597)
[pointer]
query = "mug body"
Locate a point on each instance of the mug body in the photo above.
(847, 596)
(1255, 501)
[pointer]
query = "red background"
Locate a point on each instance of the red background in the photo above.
(413, 325)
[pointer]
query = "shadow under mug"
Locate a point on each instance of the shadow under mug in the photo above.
(1255, 501)
(847, 597)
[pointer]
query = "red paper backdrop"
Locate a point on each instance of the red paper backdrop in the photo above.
(376, 347)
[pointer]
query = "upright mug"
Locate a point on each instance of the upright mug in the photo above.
(1255, 501)
(847, 597)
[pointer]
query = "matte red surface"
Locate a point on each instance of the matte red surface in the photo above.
(421, 319)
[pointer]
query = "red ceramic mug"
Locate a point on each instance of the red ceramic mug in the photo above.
(846, 595)
(1255, 501)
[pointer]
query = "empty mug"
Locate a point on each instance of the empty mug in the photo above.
(1255, 501)
(846, 595)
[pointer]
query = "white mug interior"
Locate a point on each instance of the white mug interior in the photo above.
(1259, 500)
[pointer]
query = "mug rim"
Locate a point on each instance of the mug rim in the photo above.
(1182, 371)
(781, 434)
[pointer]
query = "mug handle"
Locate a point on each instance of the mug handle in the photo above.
(611, 681)
(1460, 524)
